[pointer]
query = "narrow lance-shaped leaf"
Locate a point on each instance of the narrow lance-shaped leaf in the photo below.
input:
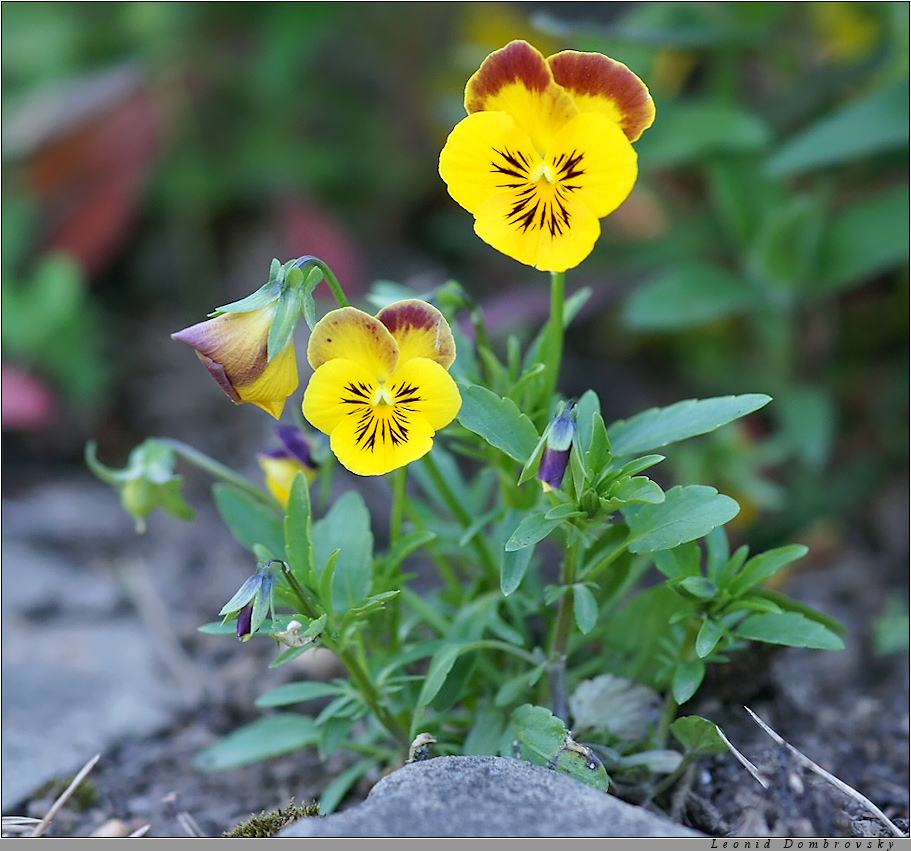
(658, 427)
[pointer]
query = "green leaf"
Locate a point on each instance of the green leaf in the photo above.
(699, 735)
(440, 665)
(762, 566)
(636, 489)
(708, 637)
(544, 740)
(335, 792)
(514, 689)
(681, 561)
(865, 239)
(273, 735)
(658, 427)
(686, 514)
(248, 519)
(346, 527)
(585, 608)
(299, 531)
(499, 421)
(687, 296)
(298, 693)
(540, 733)
(791, 629)
(699, 587)
(690, 131)
(533, 528)
(514, 564)
(870, 125)
(688, 677)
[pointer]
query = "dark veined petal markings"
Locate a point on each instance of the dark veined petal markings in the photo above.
(381, 423)
(532, 209)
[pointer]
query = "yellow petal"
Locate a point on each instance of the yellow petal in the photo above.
(484, 154)
(420, 331)
(278, 381)
(233, 346)
(280, 473)
(335, 389)
(517, 80)
(375, 442)
(593, 160)
(558, 236)
(424, 387)
(350, 333)
(600, 84)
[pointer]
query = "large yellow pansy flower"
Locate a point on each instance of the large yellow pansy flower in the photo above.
(546, 151)
(381, 388)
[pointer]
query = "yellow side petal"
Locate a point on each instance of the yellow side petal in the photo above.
(278, 381)
(424, 387)
(280, 473)
(350, 333)
(420, 331)
(335, 389)
(600, 84)
(593, 160)
(375, 443)
(517, 80)
(484, 154)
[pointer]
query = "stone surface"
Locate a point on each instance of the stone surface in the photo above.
(78, 670)
(485, 796)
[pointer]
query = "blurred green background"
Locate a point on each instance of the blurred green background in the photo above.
(157, 156)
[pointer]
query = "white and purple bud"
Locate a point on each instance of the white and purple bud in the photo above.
(253, 600)
(559, 440)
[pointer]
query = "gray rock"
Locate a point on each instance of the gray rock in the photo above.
(486, 796)
(76, 678)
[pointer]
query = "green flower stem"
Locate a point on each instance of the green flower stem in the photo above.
(399, 500)
(356, 669)
(328, 274)
(560, 643)
(551, 353)
(219, 471)
(668, 715)
(480, 543)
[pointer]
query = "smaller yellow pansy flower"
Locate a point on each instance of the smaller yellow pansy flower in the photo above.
(281, 466)
(381, 386)
(234, 348)
(545, 151)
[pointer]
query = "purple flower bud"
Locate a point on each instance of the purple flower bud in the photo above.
(555, 459)
(244, 622)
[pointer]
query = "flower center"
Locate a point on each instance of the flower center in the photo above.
(383, 412)
(539, 189)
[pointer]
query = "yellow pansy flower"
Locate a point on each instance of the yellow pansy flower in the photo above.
(545, 151)
(281, 466)
(381, 386)
(234, 348)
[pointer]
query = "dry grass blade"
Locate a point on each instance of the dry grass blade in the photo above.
(67, 794)
(744, 761)
(17, 824)
(838, 784)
